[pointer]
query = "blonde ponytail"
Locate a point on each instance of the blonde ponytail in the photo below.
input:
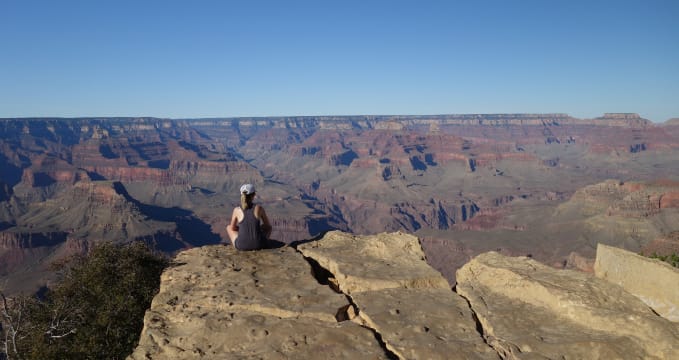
(246, 200)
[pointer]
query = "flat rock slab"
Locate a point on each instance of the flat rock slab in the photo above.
(219, 303)
(375, 262)
(189, 334)
(399, 295)
(531, 311)
(653, 281)
(423, 323)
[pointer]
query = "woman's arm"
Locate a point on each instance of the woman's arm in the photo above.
(266, 225)
(232, 228)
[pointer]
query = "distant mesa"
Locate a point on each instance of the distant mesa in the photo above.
(627, 116)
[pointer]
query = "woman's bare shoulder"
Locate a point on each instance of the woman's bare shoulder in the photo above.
(259, 209)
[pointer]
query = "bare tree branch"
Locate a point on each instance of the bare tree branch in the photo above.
(10, 325)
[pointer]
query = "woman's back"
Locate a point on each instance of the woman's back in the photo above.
(250, 234)
(249, 228)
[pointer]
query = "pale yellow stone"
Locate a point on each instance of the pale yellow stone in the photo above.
(653, 281)
(399, 295)
(248, 335)
(218, 303)
(423, 323)
(375, 262)
(529, 310)
(277, 282)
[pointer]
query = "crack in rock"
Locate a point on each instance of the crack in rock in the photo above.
(399, 296)
(350, 311)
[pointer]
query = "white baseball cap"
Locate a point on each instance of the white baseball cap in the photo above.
(247, 189)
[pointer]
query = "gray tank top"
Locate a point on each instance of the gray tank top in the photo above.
(250, 234)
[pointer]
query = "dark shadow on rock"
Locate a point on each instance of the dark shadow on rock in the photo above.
(106, 151)
(417, 164)
(163, 242)
(275, 244)
(42, 180)
(95, 176)
(429, 160)
(163, 164)
(5, 225)
(196, 232)
(9, 173)
(321, 225)
(294, 244)
(345, 158)
(192, 230)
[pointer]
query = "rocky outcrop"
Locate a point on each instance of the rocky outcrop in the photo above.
(630, 200)
(669, 199)
(528, 311)
(653, 281)
(218, 303)
(27, 240)
(353, 297)
(407, 302)
(346, 296)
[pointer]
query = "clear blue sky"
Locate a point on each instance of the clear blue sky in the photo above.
(257, 58)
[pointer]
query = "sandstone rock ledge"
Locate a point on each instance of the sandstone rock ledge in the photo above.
(531, 311)
(222, 304)
(217, 303)
(406, 301)
(374, 297)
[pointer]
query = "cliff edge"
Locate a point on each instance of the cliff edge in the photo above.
(375, 297)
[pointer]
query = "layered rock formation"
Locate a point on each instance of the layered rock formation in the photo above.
(665, 245)
(441, 176)
(630, 200)
(346, 296)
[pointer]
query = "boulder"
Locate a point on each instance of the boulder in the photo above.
(655, 282)
(375, 262)
(531, 311)
(408, 303)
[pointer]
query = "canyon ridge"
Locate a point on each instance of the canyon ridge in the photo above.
(547, 186)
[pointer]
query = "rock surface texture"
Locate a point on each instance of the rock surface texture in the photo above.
(406, 301)
(531, 311)
(273, 304)
(374, 297)
(653, 281)
(218, 303)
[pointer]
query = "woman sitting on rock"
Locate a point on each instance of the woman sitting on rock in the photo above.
(249, 228)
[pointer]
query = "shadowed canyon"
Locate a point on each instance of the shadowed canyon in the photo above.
(547, 186)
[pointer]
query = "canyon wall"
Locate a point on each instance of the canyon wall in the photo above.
(445, 176)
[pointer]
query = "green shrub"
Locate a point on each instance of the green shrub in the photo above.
(97, 309)
(672, 259)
